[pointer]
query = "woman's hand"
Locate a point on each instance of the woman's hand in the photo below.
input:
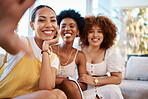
(8, 23)
(47, 43)
(86, 78)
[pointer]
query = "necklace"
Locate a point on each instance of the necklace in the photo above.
(64, 64)
(95, 57)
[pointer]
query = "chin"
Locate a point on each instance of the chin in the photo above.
(48, 39)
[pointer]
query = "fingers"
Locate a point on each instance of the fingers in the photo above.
(55, 40)
(25, 4)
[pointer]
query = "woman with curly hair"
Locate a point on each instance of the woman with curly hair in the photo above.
(97, 42)
(71, 25)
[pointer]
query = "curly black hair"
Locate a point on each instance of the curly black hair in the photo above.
(107, 26)
(71, 13)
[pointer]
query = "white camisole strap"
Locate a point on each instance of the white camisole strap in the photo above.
(75, 55)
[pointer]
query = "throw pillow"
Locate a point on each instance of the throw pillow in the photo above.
(137, 68)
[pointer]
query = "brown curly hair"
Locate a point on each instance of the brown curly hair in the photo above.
(108, 28)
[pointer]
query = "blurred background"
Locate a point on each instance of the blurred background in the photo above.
(130, 16)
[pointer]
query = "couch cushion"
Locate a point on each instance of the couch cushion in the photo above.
(144, 55)
(134, 89)
(137, 68)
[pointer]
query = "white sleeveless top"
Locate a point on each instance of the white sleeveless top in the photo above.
(68, 70)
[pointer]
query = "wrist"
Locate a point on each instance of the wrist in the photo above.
(46, 50)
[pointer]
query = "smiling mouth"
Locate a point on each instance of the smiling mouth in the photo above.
(96, 39)
(48, 32)
(67, 35)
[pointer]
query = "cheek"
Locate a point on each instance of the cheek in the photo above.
(89, 39)
(89, 36)
(55, 25)
(38, 27)
(102, 36)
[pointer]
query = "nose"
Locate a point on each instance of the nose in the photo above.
(48, 24)
(95, 33)
(67, 28)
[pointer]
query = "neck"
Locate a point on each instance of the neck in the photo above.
(67, 45)
(94, 48)
(38, 42)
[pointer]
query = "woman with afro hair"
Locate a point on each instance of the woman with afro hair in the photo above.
(70, 26)
(97, 42)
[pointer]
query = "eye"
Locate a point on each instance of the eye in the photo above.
(99, 31)
(72, 26)
(53, 20)
(63, 26)
(41, 20)
(91, 31)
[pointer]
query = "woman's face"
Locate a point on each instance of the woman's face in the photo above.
(45, 24)
(95, 36)
(68, 29)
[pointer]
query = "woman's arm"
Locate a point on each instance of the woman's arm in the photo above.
(48, 73)
(115, 78)
(81, 68)
(8, 23)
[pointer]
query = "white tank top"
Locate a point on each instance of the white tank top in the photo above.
(69, 69)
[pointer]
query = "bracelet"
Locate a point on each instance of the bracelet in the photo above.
(45, 50)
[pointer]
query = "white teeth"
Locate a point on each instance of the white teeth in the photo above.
(95, 39)
(48, 32)
(67, 34)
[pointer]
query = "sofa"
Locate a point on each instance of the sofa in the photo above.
(135, 82)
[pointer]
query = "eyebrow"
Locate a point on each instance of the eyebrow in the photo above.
(70, 24)
(45, 17)
(42, 16)
(100, 29)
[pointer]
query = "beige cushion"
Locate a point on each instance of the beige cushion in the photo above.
(137, 68)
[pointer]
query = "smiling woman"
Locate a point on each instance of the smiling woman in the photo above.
(97, 43)
(42, 66)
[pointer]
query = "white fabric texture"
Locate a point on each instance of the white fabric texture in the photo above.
(113, 62)
(137, 68)
(69, 69)
(104, 92)
(12, 60)
(134, 89)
